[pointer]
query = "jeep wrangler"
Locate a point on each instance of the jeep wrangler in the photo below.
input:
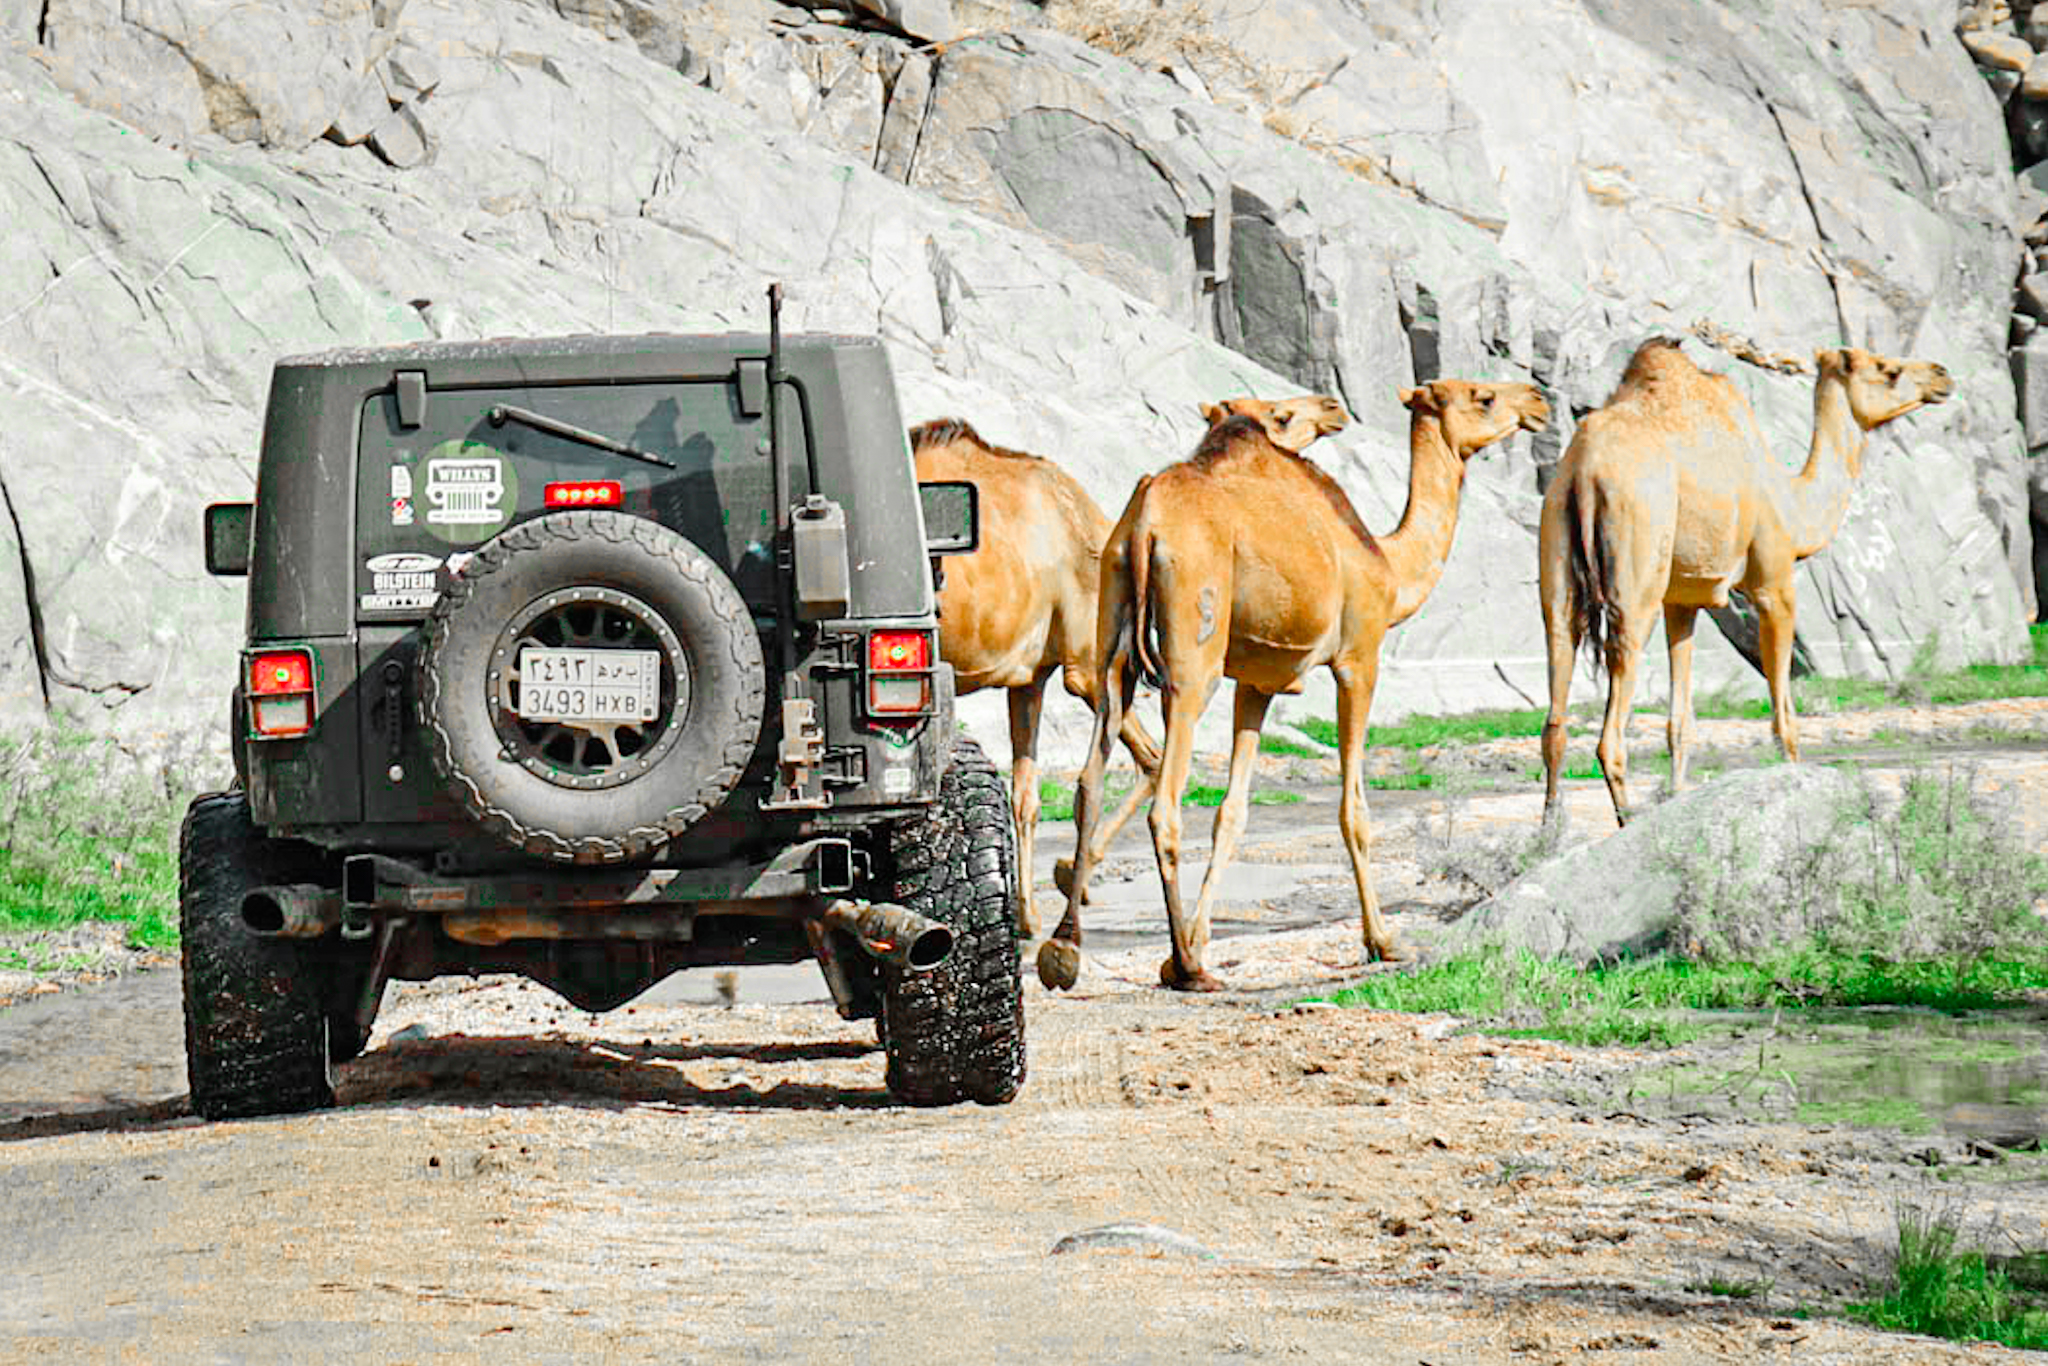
(589, 659)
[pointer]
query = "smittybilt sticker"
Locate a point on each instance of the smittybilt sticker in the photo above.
(401, 583)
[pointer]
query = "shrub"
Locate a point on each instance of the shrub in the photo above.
(88, 832)
(1940, 876)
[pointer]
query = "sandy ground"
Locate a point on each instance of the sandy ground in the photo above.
(507, 1178)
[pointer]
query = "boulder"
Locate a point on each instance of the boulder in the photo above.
(361, 111)
(2030, 380)
(1998, 51)
(19, 20)
(930, 21)
(2034, 82)
(272, 72)
(401, 139)
(1619, 897)
(408, 74)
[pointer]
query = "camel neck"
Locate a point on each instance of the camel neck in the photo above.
(1417, 549)
(1820, 492)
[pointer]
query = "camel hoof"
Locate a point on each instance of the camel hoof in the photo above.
(1063, 878)
(1059, 965)
(1171, 975)
(1389, 952)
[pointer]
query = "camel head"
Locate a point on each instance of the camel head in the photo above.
(1292, 424)
(1880, 388)
(1475, 413)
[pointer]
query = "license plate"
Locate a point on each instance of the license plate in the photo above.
(589, 685)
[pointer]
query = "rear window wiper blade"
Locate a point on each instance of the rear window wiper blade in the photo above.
(504, 413)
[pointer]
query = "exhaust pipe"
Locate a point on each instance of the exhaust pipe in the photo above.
(299, 911)
(895, 934)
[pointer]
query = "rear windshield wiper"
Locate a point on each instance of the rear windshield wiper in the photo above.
(504, 413)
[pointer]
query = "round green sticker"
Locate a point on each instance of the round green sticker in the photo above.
(468, 491)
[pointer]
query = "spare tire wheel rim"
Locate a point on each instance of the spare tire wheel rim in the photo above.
(588, 687)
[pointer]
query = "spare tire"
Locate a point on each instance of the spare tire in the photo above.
(590, 685)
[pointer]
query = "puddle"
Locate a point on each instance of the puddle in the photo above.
(1979, 1076)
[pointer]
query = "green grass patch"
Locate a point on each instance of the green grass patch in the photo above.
(1276, 744)
(1730, 1289)
(84, 835)
(1651, 1000)
(1420, 732)
(1928, 904)
(1203, 794)
(1942, 1290)
(1919, 685)
(1056, 799)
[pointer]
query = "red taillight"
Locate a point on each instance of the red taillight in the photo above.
(280, 693)
(585, 493)
(899, 650)
(899, 672)
(280, 671)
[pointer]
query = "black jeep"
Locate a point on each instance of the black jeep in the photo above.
(589, 659)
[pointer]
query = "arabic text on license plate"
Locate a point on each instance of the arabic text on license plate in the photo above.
(588, 685)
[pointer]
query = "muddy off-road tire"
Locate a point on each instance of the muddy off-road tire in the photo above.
(581, 792)
(957, 1032)
(256, 1008)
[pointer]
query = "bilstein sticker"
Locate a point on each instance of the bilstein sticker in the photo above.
(400, 583)
(470, 491)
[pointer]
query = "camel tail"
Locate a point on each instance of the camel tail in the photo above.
(1142, 625)
(1594, 611)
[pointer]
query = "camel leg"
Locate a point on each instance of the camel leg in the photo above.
(1774, 639)
(1678, 624)
(1025, 705)
(1561, 645)
(1183, 705)
(1355, 684)
(1059, 957)
(1557, 636)
(1624, 658)
(1184, 969)
(1146, 755)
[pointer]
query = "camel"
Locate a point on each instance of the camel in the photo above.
(1247, 560)
(1023, 604)
(1669, 496)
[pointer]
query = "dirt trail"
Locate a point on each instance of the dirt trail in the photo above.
(509, 1178)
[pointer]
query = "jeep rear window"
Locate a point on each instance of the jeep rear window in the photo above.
(428, 495)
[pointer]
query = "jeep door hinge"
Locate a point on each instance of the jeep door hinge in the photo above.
(803, 745)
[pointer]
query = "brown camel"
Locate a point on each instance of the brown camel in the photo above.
(1023, 604)
(1669, 496)
(1248, 561)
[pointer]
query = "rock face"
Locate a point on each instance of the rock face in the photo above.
(1619, 897)
(1071, 249)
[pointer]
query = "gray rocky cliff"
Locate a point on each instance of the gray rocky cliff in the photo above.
(1069, 248)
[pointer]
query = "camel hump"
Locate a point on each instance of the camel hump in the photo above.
(943, 431)
(1659, 371)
